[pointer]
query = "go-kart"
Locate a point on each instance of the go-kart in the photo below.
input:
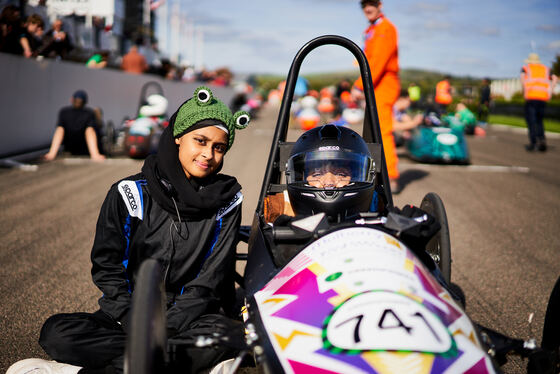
(438, 140)
(139, 137)
(352, 295)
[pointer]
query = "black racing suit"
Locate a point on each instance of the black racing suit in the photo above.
(197, 257)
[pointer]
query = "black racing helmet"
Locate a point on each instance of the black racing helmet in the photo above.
(330, 170)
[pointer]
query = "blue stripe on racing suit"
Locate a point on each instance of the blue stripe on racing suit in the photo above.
(127, 228)
(217, 231)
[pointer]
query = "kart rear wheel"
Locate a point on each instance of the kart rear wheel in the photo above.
(439, 247)
(146, 346)
(109, 139)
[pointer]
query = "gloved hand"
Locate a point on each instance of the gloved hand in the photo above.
(418, 236)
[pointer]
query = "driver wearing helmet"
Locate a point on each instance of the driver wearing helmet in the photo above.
(330, 170)
(329, 175)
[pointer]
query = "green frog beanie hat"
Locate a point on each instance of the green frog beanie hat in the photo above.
(203, 109)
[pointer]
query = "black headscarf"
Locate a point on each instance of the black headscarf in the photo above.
(195, 197)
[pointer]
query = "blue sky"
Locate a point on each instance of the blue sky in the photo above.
(467, 37)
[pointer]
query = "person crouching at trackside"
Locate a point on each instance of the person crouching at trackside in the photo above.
(180, 211)
(75, 129)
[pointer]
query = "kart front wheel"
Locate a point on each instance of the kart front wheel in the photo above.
(439, 247)
(146, 346)
(548, 361)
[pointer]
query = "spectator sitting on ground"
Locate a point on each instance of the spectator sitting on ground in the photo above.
(28, 40)
(403, 122)
(56, 42)
(76, 130)
(134, 62)
(98, 60)
(466, 117)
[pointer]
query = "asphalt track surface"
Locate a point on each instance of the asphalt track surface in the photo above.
(503, 212)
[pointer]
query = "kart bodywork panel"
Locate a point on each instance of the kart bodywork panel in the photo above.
(440, 144)
(357, 300)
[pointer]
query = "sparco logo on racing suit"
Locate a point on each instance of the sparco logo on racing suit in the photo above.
(237, 199)
(129, 196)
(132, 197)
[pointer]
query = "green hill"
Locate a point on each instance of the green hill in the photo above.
(425, 79)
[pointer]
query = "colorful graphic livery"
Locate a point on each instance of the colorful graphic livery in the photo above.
(358, 301)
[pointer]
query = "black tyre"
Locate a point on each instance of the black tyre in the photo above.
(547, 361)
(146, 346)
(551, 329)
(109, 139)
(439, 247)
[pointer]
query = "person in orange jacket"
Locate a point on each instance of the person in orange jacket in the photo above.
(538, 83)
(381, 50)
(444, 95)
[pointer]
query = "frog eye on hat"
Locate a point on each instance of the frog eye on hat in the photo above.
(203, 96)
(241, 119)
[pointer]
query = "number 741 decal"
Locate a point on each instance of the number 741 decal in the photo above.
(385, 321)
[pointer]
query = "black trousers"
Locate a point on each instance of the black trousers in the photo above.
(534, 116)
(97, 343)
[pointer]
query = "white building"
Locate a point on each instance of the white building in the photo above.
(178, 36)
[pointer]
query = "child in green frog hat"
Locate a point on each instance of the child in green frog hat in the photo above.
(180, 211)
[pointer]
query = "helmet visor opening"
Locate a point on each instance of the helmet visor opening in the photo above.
(330, 169)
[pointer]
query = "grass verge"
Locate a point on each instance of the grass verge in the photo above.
(549, 124)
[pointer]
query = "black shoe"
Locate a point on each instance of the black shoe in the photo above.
(529, 147)
(542, 147)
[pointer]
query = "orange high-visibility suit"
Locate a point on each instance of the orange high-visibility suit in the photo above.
(443, 93)
(381, 50)
(536, 82)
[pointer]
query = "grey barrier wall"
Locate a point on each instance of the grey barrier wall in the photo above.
(32, 92)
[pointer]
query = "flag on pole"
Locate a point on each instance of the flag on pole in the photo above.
(154, 4)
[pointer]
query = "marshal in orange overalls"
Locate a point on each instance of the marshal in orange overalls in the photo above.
(381, 50)
(536, 82)
(443, 93)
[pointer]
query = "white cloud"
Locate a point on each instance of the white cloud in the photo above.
(554, 46)
(490, 31)
(549, 28)
(424, 7)
(438, 25)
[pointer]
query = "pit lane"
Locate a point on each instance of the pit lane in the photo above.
(503, 212)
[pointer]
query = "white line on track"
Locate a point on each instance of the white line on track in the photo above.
(469, 168)
(109, 161)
